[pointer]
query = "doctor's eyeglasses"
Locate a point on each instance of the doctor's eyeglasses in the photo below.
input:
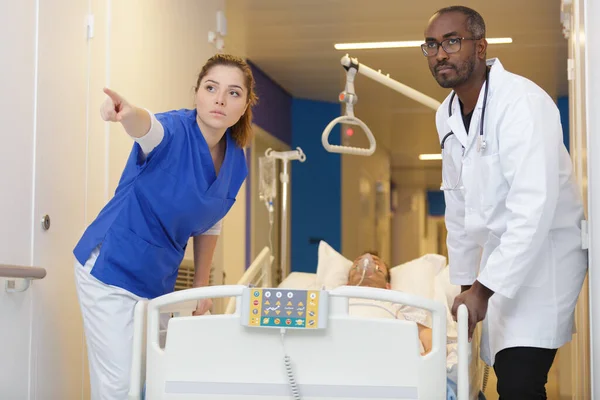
(452, 152)
(451, 45)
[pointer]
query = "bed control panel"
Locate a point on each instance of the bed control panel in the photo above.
(284, 308)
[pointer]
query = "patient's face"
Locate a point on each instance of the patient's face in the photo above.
(377, 278)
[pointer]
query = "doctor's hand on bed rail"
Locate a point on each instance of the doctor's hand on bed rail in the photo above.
(476, 299)
(204, 306)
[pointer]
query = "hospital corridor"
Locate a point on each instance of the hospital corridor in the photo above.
(299, 199)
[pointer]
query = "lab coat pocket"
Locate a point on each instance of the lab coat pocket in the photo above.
(491, 181)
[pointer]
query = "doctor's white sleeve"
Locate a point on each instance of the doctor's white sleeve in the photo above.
(463, 253)
(530, 140)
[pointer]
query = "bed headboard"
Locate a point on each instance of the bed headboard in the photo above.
(369, 357)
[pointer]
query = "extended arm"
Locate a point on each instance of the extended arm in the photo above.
(139, 123)
(135, 120)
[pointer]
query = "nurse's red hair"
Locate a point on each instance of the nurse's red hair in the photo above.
(241, 132)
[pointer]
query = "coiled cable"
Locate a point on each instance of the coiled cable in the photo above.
(486, 376)
(289, 370)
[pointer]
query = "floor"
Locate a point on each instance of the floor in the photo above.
(551, 387)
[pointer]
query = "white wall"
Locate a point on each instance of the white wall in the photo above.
(408, 225)
(60, 159)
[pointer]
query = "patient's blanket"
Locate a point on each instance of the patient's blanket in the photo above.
(381, 309)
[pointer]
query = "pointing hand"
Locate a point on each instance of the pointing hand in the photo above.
(115, 107)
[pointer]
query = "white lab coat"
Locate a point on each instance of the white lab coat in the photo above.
(515, 223)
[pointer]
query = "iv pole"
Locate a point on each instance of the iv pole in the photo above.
(284, 177)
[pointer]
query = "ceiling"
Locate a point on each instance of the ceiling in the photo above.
(292, 41)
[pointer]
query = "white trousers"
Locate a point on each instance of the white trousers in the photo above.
(108, 324)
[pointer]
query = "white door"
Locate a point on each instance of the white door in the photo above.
(43, 114)
(17, 73)
(59, 181)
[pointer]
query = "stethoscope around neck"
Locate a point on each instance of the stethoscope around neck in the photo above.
(481, 144)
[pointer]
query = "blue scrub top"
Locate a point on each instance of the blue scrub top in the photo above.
(160, 202)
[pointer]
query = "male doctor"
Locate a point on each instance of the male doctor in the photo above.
(513, 210)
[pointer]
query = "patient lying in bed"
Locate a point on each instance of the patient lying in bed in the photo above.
(377, 275)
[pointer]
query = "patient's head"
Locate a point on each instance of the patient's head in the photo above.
(377, 275)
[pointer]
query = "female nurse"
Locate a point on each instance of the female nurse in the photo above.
(180, 180)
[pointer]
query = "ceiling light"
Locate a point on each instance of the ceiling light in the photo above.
(429, 157)
(395, 45)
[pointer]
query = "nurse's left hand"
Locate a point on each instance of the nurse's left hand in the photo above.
(476, 299)
(203, 306)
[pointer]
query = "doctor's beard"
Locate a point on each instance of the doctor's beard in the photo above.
(462, 72)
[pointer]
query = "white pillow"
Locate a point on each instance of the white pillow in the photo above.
(300, 280)
(418, 276)
(332, 268)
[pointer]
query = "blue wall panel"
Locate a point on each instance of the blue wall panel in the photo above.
(316, 184)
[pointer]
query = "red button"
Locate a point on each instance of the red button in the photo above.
(255, 302)
(288, 321)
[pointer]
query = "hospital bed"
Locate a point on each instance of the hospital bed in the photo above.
(220, 357)
(231, 356)
(476, 367)
(426, 276)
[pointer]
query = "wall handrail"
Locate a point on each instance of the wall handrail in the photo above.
(15, 271)
(24, 274)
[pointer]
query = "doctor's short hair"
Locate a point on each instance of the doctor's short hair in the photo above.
(241, 132)
(475, 22)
